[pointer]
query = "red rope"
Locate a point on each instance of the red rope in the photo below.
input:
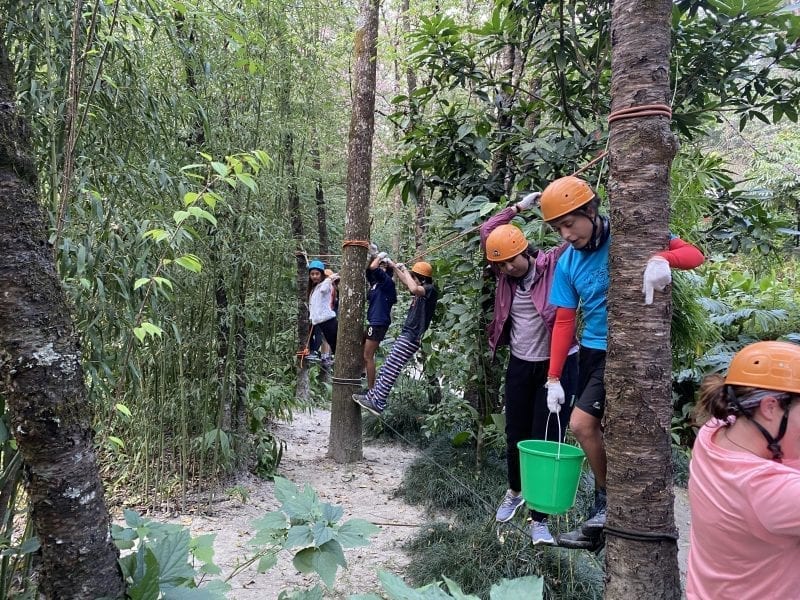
(645, 110)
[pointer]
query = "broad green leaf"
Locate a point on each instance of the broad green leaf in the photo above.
(140, 282)
(190, 262)
(123, 409)
(198, 212)
(456, 591)
(266, 562)
(202, 547)
(172, 552)
(325, 561)
(220, 168)
(396, 589)
(145, 583)
(248, 181)
(156, 234)
(299, 536)
(214, 590)
(30, 545)
(355, 533)
(151, 329)
(331, 512)
(180, 216)
(522, 588)
(164, 282)
(190, 198)
(322, 533)
(139, 332)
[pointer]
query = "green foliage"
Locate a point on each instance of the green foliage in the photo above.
(309, 527)
(158, 564)
(523, 588)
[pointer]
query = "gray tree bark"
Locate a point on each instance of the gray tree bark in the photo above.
(638, 373)
(42, 380)
(345, 437)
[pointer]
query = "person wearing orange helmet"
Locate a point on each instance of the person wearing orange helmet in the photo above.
(744, 479)
(571, 208)
(523, 320)
(419, 281)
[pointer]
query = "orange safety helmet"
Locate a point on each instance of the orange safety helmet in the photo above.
(504, 243)
(563, 196)
(422, 268)
(767, 366)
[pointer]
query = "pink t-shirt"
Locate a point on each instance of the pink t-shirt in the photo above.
(745, 535)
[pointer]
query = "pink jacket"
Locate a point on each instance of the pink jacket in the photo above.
(545, 265)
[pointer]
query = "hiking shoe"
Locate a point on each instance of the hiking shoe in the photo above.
(364, 402)
(576, 540)
(508, 507)
(313, 357)
(540, 534)
(595, 524)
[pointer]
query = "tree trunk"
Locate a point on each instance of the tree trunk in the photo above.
(319, 195)
(301, 272)
(42, 380)
(345, 437)
(638, 373)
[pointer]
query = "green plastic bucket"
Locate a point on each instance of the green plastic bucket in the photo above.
(550, 474)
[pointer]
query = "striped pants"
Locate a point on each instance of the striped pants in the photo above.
(402, 351)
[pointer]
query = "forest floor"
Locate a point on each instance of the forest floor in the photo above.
(365, 490)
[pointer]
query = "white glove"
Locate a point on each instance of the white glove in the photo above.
(657, 276)
(373, 250)
(555, 396)
(382, 256)
(528, 201)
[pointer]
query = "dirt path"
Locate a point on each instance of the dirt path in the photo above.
(364, 490)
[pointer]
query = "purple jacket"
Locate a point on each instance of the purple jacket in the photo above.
(545, 265)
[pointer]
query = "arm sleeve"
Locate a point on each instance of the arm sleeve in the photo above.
(563, 334)
(682, 255)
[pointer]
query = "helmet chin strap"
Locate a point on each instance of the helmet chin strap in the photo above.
(599, 236)
(773, 443)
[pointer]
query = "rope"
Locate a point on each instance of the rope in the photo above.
(346, 381)
(646, 110)
(359, 243)
(641, 536)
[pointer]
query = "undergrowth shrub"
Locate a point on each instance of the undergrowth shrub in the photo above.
(474, 550)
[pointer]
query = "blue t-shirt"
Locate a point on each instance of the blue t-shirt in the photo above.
(581, 280)
(382, 295)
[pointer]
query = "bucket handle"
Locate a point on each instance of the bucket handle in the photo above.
(547, 426)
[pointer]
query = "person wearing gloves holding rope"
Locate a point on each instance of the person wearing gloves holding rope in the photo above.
(419, 281)
(570, 207)
(382, 295)
(744, 482)
(523, 320)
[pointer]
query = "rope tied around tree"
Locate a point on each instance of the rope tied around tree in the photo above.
(645, 110)
(359, 243)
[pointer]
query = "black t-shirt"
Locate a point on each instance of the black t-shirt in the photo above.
(420, 313)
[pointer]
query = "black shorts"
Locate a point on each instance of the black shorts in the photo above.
(591, 394)
(376, 333)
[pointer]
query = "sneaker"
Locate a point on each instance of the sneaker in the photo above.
(313, 357)
(509, 506)
(540, 534)
(364, 402)
(595, 524)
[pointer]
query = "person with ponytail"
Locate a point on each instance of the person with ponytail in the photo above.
(321, 296)
(744, 482)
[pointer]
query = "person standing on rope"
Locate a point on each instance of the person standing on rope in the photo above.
(419, 281)
(382, 295)
(320, 306)
(523, 320)
(570, 207)
(745, 478)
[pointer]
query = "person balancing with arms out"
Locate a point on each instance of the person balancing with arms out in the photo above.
(523, 319)
(571, 208)
(419, 281)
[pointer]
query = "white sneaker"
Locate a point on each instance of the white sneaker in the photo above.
(540, 534)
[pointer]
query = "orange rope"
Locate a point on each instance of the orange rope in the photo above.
(594, 161)
(646, 110)
(359, 243)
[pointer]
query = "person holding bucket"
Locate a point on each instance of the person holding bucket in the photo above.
(523, 320)
(744, 479)
(571, 208)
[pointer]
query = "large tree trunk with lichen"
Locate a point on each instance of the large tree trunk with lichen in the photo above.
(345, 437)
(42, 381)
(641, 558)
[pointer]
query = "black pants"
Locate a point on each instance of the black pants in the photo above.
(526, 409)
(326, 329)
